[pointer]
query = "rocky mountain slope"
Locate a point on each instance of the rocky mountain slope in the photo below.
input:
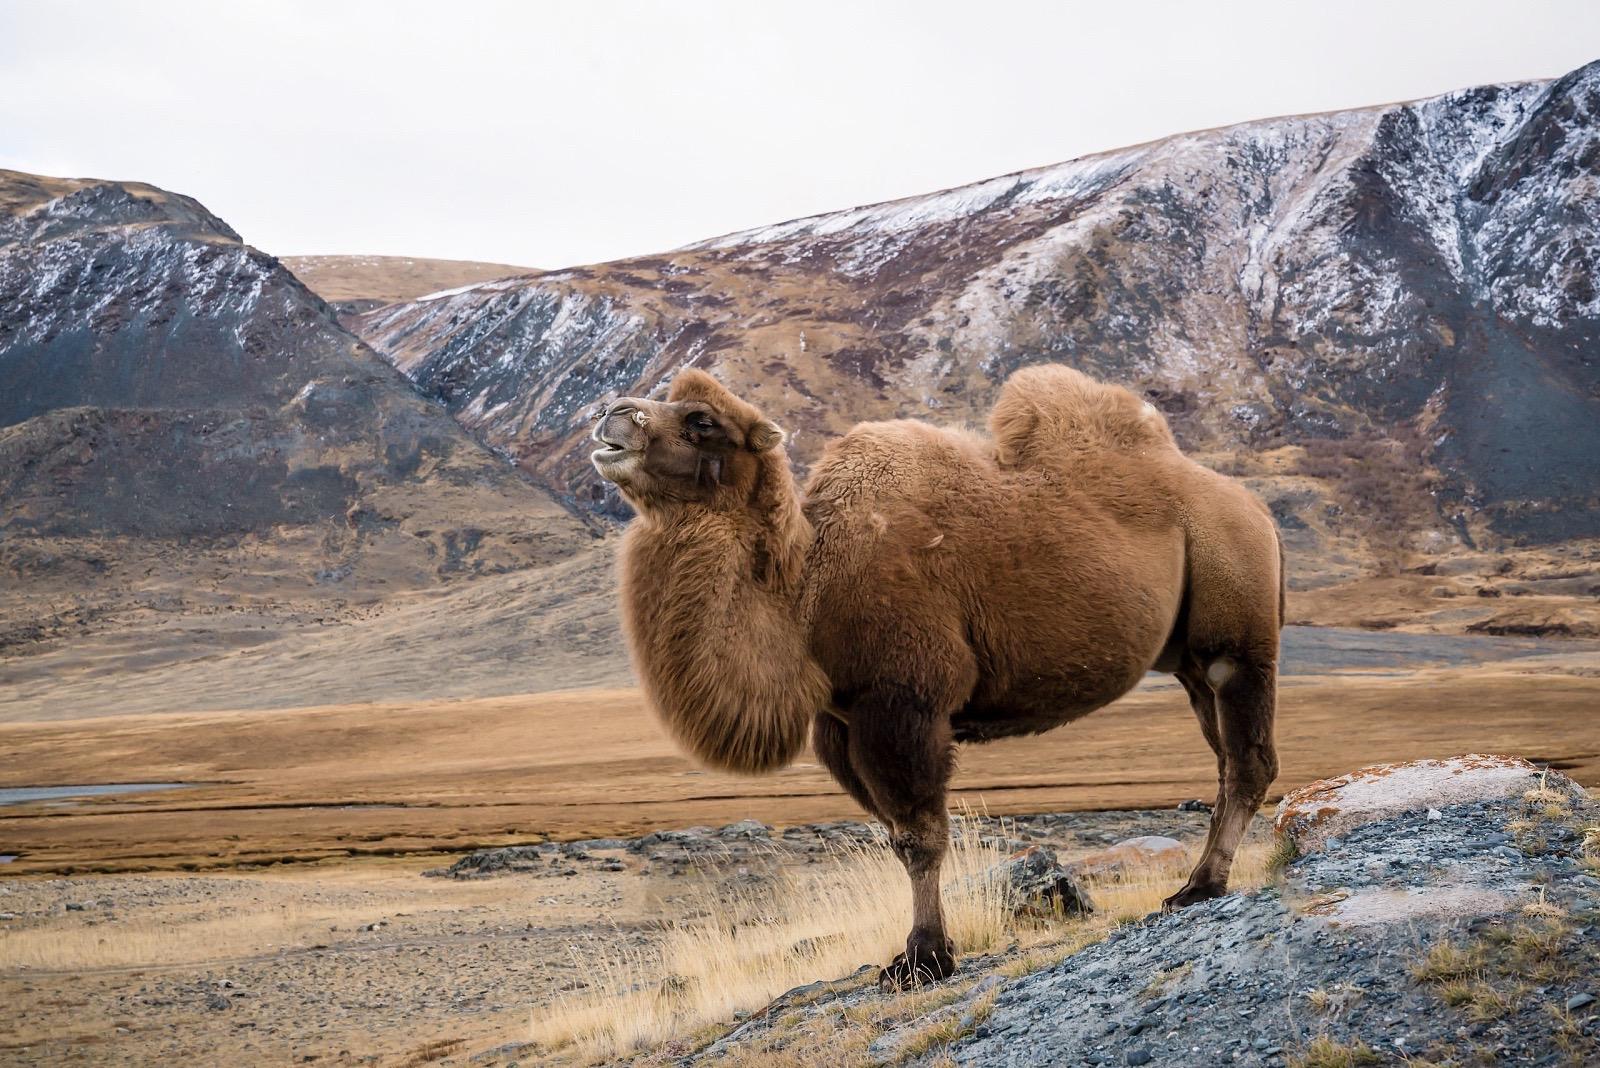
(187, 432)
(1389, 317)
(361, 283)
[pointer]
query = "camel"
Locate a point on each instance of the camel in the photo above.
(938, 586)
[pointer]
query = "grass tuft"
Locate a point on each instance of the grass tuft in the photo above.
(1447, 961)
(1325, 1052)
(1285, 851)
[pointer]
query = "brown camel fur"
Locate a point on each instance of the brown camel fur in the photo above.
(938, 586)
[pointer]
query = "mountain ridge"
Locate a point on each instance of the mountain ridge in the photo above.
(198, 461)
(926, 301)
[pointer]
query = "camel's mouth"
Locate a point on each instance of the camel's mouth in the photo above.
(609, 459)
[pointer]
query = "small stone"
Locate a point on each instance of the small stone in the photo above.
(1578, 1001)
(1039, 883)
(1137, 1057)
(1435, 814)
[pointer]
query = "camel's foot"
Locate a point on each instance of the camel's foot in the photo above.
(1193, 894)
(923, 962)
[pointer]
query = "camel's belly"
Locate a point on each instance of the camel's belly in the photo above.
(1045, 687)
(1049, 652)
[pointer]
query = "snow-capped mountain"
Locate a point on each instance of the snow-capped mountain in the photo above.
(167, 391)
(1420, 277)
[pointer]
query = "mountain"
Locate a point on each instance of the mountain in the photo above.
(361, 283)
(197, 461)
(1388, 318)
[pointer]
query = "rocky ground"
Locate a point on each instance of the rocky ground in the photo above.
(1445, 912)
(751, 844)
(1454, 920)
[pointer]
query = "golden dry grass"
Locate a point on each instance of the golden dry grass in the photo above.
(157, 941)
(742, 950)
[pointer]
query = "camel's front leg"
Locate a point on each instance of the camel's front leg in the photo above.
(929, 955)
(900, 749)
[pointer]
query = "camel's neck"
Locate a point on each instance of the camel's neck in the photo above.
(710, 607)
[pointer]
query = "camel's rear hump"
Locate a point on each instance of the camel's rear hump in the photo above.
(1049, 410)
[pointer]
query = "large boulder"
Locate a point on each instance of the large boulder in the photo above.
(1330, 808)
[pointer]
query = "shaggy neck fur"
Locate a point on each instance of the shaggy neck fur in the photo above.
(710, 609)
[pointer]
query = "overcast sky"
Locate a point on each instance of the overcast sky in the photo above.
(550, 134)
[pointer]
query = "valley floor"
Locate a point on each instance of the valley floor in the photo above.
(418, 777)
(237, 915)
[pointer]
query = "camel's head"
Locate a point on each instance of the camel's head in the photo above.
(702, 445)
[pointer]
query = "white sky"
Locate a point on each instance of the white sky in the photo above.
(550, 134)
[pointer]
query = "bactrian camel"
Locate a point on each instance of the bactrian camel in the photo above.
(937, 586)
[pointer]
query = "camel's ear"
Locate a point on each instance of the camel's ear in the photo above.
(764, 435)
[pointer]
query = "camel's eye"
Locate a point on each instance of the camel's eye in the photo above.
(701, 422)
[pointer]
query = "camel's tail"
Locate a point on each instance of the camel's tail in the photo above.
(1046, 411)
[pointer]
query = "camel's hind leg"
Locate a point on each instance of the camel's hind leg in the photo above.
(1240, 691)
(1204, 703)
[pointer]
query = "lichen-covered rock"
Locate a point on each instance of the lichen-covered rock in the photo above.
(1329, 808)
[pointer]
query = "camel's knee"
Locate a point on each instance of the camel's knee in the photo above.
(921, 843)
(1267, 769)
(1220, 670)
(1252, 764)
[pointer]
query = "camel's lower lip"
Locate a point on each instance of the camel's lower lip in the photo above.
(609, 455)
